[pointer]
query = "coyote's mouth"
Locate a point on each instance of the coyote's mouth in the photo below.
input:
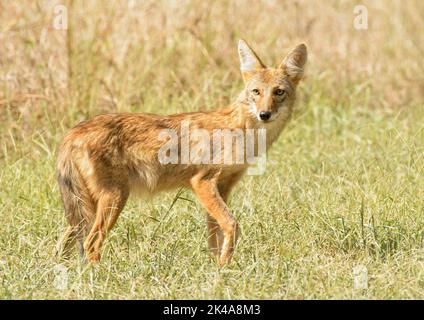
(266, 118)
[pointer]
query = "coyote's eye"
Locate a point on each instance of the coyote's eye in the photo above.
(279, 92)
(256, 92)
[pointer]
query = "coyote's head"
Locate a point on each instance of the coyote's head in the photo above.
(270, 92)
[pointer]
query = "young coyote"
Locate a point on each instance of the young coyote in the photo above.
(104, 159)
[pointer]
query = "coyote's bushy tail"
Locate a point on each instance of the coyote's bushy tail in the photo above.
(77, 202)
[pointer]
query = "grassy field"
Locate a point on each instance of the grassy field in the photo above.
(344, 184)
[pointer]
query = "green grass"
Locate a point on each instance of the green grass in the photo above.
(344, 187)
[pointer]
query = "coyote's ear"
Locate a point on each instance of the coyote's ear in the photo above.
(294, 63)
(249, 61)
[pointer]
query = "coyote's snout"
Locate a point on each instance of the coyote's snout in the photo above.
(102, 160)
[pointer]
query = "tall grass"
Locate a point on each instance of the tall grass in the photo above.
(343, 187)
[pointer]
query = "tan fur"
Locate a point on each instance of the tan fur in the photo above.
(104, 159)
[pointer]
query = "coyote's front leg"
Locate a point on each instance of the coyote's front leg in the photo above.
(206, 189)
(215, 237)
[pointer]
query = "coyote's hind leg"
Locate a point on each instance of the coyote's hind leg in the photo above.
(109, 206)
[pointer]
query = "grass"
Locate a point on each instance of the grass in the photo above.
(344, 183)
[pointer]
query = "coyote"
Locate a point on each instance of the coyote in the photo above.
(104, 159)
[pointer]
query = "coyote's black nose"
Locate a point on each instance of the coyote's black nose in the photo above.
(264, 115)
